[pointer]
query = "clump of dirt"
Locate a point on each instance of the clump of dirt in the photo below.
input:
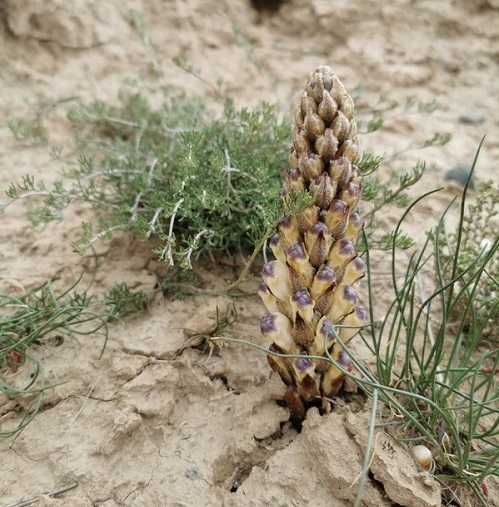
(153, 422)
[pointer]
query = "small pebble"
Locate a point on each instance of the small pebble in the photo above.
(460, 174)
(471, 118)
(194, 473)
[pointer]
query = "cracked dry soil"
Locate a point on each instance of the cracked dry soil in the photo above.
(154, 424)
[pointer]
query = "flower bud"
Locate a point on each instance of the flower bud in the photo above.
(340, 127)
(275, 274)
(277, 250)
(277, 328)
(298, 260)
(318, 242)
(302, 307)
(324, 280)
(357, 319)
(298, 117)
(349, 149)
(306, 103)
(343, 302)
(307, 386)
(324, 190)
(350, 194)
(352, 272)
(289, 232)
(327, 145)
(355, 225)
(341, 253)
(293, 159)
(337, 218)
(322, 288)
(295, 404)
(325, 336)
(300, 141)
(308, 218)
(327, 108)
(313, 125)
(332, 380)
(347, 107)
(281, 365)
(340, 171)
(295, 181)
(311, 165)
(269, 300)
(356, 176)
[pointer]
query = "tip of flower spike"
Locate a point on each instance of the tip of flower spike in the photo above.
(302, 298)
(268, 324)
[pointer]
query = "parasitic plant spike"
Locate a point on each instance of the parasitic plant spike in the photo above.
(308, 290)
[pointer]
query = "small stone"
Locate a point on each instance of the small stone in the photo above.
(471, 118)
(460, 174)
(194, 473)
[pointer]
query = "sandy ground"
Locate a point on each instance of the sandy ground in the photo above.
(148, 424)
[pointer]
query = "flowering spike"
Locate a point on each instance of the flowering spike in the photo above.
(308, 289)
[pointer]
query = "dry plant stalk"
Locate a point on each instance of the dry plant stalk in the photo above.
(308, 288)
